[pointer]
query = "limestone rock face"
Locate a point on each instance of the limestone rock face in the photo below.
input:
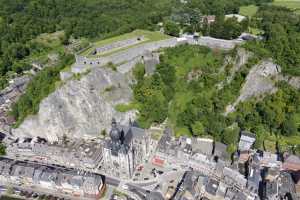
(81, 108)
(258, 83)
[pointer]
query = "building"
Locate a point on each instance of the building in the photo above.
(22, 174)
(247, 139)
(75, 154)
(150, 60)
(8, 96)
(166, 151)
(209, 19)
(127, 148)
(280, 188)
(220, 151)
(254, 174)
(292, 164)
(69, 182)
(270, 160)
(234, 178)
(238, 17)
(203, 146)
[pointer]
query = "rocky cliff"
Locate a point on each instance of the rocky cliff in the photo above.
(259, 82)
(81, 108)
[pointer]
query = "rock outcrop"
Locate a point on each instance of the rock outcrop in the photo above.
(259, 82)
(81, 108)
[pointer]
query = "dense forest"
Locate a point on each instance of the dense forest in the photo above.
(23, 20)
(196, 107)
(185, 90)
(282, 37)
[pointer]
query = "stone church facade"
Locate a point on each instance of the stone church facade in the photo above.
(125, 150)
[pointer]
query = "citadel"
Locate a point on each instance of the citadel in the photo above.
(130, 162)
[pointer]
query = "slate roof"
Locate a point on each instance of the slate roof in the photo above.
(203, 146)
(220, 150)
(292, 162)
(212, 186)
(154, 196)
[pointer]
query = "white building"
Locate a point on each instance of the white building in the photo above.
(246, 141)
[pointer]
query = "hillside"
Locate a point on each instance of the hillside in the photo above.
(194, 87)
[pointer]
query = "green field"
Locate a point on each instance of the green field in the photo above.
(149, 37)
(248, 11)
(291, 4)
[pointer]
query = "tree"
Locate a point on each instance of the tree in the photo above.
(198, 129)
(139, 71)
(231, 135)
(205, 28)
(103, 133)
(231, 149)
(171, 28)
(277, 40)
(2, 149)
(289, 127)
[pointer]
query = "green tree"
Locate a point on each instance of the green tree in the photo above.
(231, 135)
(2, 149)
(289, 127)
(198, 129)
(139, 71)
(171, 28)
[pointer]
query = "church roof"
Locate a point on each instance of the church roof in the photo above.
(121, 137)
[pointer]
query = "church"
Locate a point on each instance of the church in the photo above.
(126, 149)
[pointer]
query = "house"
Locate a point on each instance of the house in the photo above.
(270, 160)
(192, 185)
(271, 174)
(247, 139)
(71, 183)
(239, 18)
(5, 167)
(270, 191)
(233, 177)
(208, 18)
(203, 146)
(242, 162)
(48, 179)
(280, 188)
(220, 151)
(292, 164)
(211, 188)
(93, 186)
(254, 174)
(154, 196)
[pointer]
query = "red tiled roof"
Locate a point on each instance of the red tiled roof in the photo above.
(158, 161)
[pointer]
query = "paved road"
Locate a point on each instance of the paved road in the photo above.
(112, 181)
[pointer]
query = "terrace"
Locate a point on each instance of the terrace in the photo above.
(119, 43)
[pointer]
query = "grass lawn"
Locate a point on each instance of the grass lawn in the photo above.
(248, 11)
(149, 37)
(292, 4)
